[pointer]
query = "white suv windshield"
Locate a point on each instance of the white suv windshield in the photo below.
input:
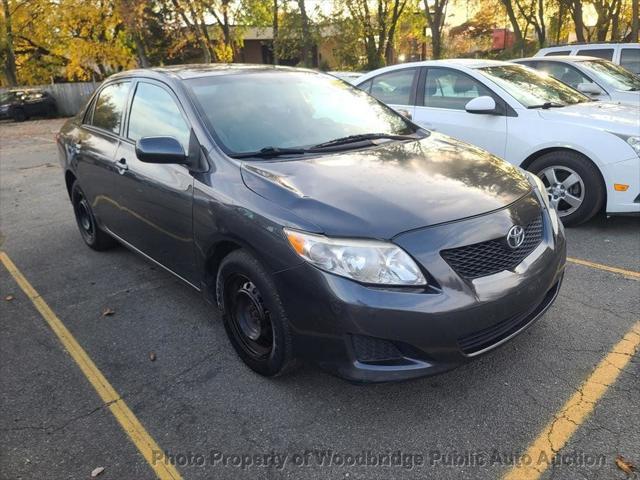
(614, 75)
(533, 89)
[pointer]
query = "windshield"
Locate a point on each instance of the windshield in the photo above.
(7, 97)
(532, 88)
(616, 76)
(253, 111)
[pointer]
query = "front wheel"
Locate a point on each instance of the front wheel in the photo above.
(573, 183)
(253, 315)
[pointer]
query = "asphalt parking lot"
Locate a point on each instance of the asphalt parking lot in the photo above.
(570, 379)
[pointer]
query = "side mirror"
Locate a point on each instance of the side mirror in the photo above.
(160, 150)
(484, 104)
(405, 113)
(589, 89)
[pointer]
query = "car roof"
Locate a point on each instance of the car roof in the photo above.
(184, 72)
(560, 58)
(592, 45)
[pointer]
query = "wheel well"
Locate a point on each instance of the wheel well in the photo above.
(534, 156)
(221, 250)
(69, 179)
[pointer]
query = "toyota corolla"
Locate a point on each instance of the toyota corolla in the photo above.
(324, 226)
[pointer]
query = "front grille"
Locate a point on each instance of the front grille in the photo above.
(481, 340)
(493, 256)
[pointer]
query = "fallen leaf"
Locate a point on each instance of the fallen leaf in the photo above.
(107, 312)
(8, 298)
(152, 357)
(96, 471)
(625, 465)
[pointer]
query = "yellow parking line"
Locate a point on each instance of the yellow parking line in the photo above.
(606, 268)
(557, 433)
(128, 421)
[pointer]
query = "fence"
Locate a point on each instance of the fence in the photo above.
(70, 97)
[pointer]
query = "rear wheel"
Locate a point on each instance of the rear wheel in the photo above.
(92, 235)
(573, 183)
(253, 315)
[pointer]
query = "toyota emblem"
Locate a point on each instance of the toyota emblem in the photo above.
(515, 236)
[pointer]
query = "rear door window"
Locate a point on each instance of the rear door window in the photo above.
(557, 53)
(606, 53)
(109, 107)
(394, 87)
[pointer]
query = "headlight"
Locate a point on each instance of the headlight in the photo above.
(537, 183)
(366, 261)
(634, 142)
(541, 191)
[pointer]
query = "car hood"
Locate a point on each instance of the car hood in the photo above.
(389, 189)
(609, 116)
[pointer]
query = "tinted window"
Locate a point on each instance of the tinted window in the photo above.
(559, 52)
(394, 87)
(606, 53)
(531, 88)
(613, 74)
(447, 88)
(154, 113)
(248, 112)
(107, 113)
(630, 59)
(563, 72)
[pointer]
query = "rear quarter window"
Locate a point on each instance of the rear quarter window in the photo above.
(606, 53)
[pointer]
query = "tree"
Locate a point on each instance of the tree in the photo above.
(436, 15)
(377, 27)
(307, 44)
(533, 11)
(7, 47)
(515, 25)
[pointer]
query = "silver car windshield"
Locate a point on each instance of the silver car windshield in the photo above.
(616, 76)
(532, 88)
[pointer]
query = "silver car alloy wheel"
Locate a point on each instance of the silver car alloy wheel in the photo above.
(564, 187)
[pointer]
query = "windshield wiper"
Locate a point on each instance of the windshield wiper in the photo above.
(547, 105)
(268, 152)
(362, 137)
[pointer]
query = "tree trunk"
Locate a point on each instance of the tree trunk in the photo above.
(274, 42)
(576, 14)
(307, 47)
(635, 20)
(10, 61)
(517, 31)
(143, 60)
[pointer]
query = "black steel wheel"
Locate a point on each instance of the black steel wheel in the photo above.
(253, 315)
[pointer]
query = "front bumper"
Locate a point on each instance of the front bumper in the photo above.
(370, 334)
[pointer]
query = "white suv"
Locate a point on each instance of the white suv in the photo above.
(626, 55)
(587, 153)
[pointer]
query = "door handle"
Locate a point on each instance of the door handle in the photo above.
(122, 166)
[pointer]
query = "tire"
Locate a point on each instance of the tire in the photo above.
(92, 235)
(19, 115)
(574, 185)
(253, 315)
